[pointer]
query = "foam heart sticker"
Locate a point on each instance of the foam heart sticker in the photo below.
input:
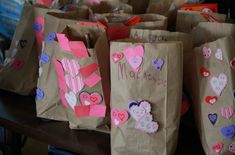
(217, 147)
(146, 124)
(138, 110)
(211, 99)
(232, 147)
(219, 54)
(17, 64)
(157, 64)
(39, 94)
(212, 118)
(71, 99)
(232, 63)
(118, 117)
(90, 99)
(45, 58)
(70, 66)
(116, 57)
(227, 112)
(206, 52)
(228, 131)
(22, 43)
(76, 83)
(134, 56)
(205, 72)
(218, 83)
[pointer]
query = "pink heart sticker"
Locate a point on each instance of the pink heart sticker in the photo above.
(138, 110)
(118, 117)
(74, 83)
(134, 56)
(227, 112)
(217, 147)
(70, 66)
(117, 57)
(90, 99)
(206, 52)
(232, 147)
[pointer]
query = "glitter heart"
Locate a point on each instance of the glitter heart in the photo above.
(213, 118)
(227, 112)
(205, 72)
(211, 99)
(138, 110)
(218, 83)
(219, 54)
(228, 131)
(217, 147)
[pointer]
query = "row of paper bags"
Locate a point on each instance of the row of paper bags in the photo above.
(90, 79)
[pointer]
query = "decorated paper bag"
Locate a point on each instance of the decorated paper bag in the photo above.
(187, 20)
(79, 77)
(48, 101)
(207, 32)
(212, 94)
(19, 73)
(142, 21)
(146, 86)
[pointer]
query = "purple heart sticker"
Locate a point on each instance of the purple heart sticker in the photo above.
(213, 118)
(22, 43)
(157, 64)
(45, 58)
(50, 37)
(228, 131)
(39, 94)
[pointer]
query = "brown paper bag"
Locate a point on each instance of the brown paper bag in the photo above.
(134, 87)
(19, 73)
(148, 21)
(187, 20)
(212, 70)
(207, 32)
(77, 32)
(50, 106)
(139, 7)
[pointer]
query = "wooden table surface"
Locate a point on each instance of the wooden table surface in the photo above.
(18, 114)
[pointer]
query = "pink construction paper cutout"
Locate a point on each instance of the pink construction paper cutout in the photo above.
(78, 49)
(88, 69)
(92, 24)
(97, 110)
(60, 74)
(91, 110)
(44, 2)
(92, 80)
(82, 111)
(39, 35)
(63, 42)
(62, 98)
(134, 56)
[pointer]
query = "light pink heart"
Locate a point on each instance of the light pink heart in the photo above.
(90, 99)
(70, 66)
(118, 117)
(227, 112)
(76, 83)
(134, 56)
(206, 52)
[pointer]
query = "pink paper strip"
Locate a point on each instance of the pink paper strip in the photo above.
(79, 49)
(82, 111)
(60, 74)
(63, 42)
(97, 110)
(92, 80)
(93, 24)
(44, 2)
(88, 69)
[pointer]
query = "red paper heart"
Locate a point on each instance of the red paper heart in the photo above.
(205, 72)
(211, 99)
(18, 64)
(217, 147)
(232, 63)
(117, 57)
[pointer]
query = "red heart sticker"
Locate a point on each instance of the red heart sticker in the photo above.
(205, 72)
(217, 147)
(211, 99)
(118, 117)
(117, 57)
(232, 63)
(17, 64)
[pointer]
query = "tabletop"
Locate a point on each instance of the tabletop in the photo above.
(18, 114)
